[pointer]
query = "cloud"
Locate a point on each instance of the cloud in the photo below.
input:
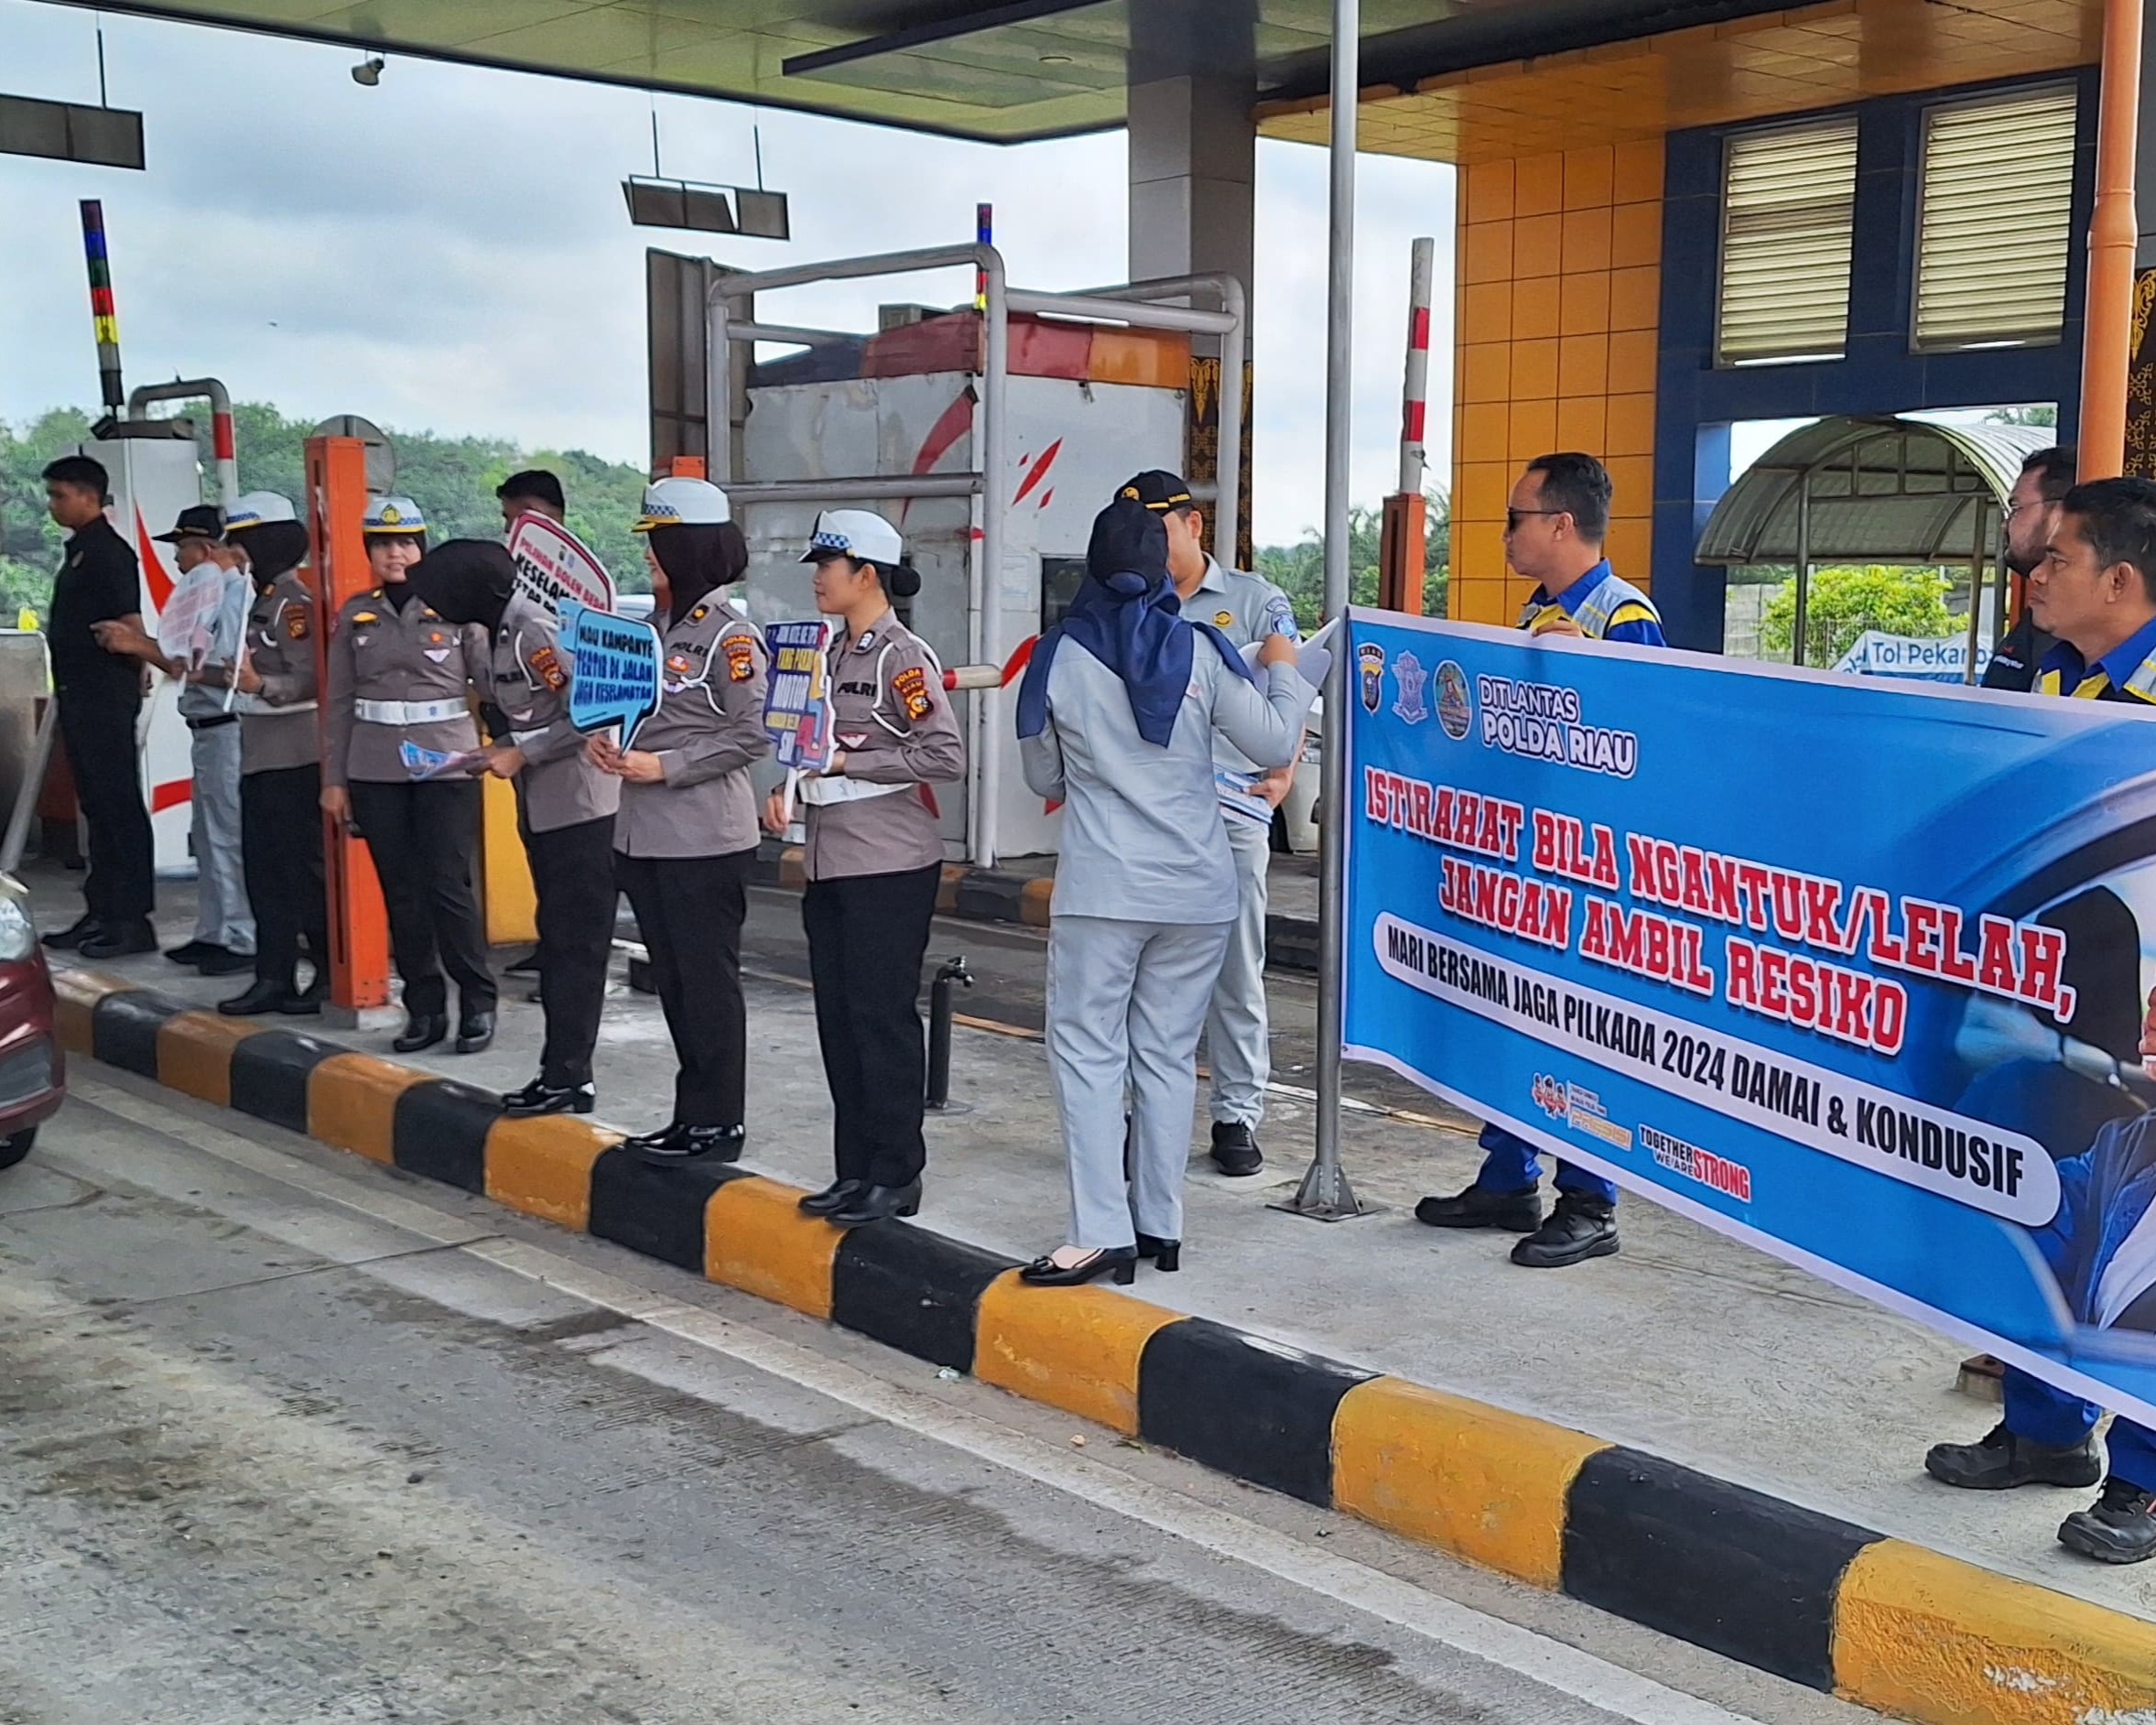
(448, 251)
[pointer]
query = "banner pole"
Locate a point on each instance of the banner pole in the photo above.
(1325, 1194)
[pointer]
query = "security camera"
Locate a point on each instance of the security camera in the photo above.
(368, 72)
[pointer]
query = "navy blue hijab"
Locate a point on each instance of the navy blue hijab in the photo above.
(1128, 616)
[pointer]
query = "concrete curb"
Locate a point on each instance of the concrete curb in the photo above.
(1820, 1601)
(995, 895)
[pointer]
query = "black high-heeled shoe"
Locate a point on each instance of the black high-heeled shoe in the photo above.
(682, 1143)
(877, 1203)
(540, 1098)
(1167, 1255)
(1122, 1261)
(836, 1196)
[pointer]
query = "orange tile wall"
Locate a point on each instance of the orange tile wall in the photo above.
(1557, 318)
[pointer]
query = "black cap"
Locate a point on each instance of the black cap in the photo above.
(1158, 490)
(197, 521)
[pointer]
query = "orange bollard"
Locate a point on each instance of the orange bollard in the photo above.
(359, 924)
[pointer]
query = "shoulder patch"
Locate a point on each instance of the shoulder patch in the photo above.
(699, 613)
(364, 616)
(911, 686)
(740, 659)
(546, 666)
(295, 624)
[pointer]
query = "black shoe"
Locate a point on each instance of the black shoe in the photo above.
(1579, 1228)
(877, 1203)
(1167, 1255)
(67, 939)
(224, 961)
(195, 951)
(539, 1097)
(2000, 1460)
(422, 1030)
(679, 1143)
(307, 1003)
(2118, 1527)
(526, 966)
(265, 996)
(475, 1031)
(121, 941)
(1515, 1212)
(1121, 1262)
(834, 1196)
(1235, 1151)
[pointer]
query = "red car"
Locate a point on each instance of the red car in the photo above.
(33, 1072)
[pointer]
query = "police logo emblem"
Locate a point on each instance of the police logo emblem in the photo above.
(1411, 680)
(1221, 619)
(1456, 712)
(1370, 664)
(392, 515)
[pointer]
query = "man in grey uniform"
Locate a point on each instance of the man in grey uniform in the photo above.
(1238, 1032)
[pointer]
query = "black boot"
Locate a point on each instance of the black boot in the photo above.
(423, 1030)
(834, 1196)
(539, 1097)
(307, 1003)
(224, 961)
(1167, 1255)
(1235, 1149)
(2001, 1460)
(683, 1142)
(476, 1030)
(2118, 1527)
(1515, 1212)
(265, 995)
(193, 952)
(67, 939)
(1579, 1228)
(878, 1203)
(120, 940)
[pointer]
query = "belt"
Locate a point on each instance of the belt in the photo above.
(254, 706)
(214, 720)
(409, 712)
(824, 793)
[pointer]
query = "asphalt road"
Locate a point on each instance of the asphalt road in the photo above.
(288, 1437)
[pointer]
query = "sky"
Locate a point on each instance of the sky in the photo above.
(450, 252)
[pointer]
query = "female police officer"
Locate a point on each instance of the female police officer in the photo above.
(569, 802)
(686, 836)
(400, 672)
(1116, 720)
(873, 860)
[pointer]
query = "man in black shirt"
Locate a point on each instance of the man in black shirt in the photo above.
(100, 696)
(2032, 516)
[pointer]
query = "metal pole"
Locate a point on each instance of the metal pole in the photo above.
(989, 742)
(1324, 1193)
(221, 428)
(2108, 327)
(26, 799)
(1803, 562)
(952, 972)
(104, 320)
(1968, 666)
(1415, 405)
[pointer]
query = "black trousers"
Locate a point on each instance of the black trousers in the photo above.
(281, 855)
(690, 911)
(97, 728)
(422, 837)
(867, 935)
(573, 875)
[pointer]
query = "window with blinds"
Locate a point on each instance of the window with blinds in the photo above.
(1993, 229)
(1788, 204)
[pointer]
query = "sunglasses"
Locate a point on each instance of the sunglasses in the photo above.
(1514, 516)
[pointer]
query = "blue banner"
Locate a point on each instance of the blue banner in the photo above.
(614, 669)
(1854, 972)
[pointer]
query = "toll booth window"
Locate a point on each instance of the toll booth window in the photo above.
(1060, 577)
(1789, 208)
(1994, 226)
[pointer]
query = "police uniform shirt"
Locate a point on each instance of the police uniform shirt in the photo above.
(709, 728)
(894, 724)
(2128, 672)
(276, 722)
(1606, 608)
(406, 657)
(1245, 608)
(209, 699)
(531, 673)
(99, 579)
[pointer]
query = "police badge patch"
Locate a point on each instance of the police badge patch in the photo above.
(1456, 712)
(1370, 665)
(911, 686)
(1411, 680)
(547, 668)
(740, 660)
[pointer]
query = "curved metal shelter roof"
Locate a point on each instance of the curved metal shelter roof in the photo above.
(1882, 490)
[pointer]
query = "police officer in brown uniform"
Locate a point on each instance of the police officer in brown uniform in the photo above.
(401, 672)
(685, 837)
(280, 769)
(569, 803)
(873, 860)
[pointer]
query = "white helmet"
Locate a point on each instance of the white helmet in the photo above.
(682, 502)
(392, 515)
(860, 533)
(255, 508)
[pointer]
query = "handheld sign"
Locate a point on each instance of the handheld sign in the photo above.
(425, 763)
(797, 700)
(554, 568)
(187, 626)
(614, 669)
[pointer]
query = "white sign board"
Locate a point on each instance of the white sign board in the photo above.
(554, 566)
(187, 626)
(1876, 653)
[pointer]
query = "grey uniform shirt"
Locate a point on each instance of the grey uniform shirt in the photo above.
(896, 726)
(1244, 608)
(210, 699)
(277, 726)
(531, 673)
(409, 658)
(1142, 834)
(707, 732)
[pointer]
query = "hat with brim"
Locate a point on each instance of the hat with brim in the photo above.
(197, 521)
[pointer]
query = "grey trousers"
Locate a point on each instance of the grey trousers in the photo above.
(222, 914)
(1238, 1034)
(1126, 1001)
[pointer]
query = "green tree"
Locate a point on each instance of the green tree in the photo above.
(1842, 602)
(1298, 569)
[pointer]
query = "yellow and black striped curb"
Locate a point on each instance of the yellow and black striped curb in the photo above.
(1820, 1601)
